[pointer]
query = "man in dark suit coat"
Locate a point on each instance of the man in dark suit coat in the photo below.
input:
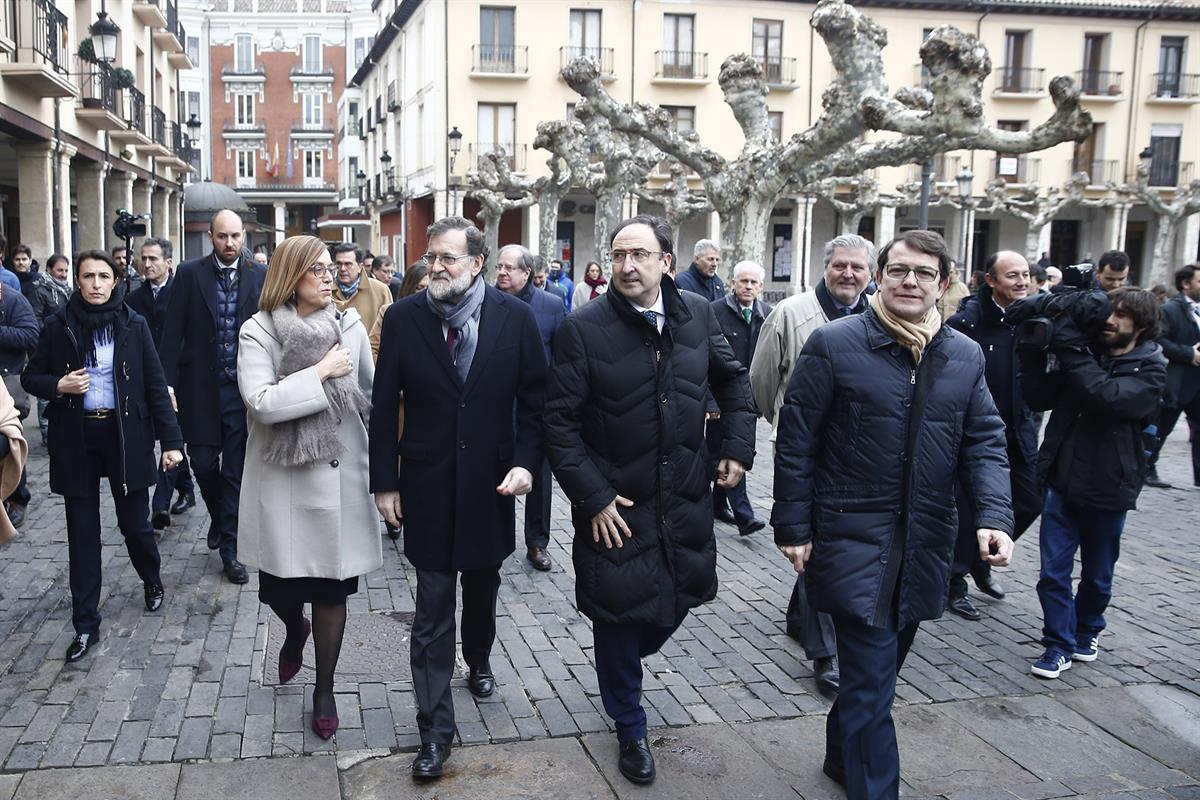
(150, 301)
(469, 362)
(515, 266)
(741, 316)
(210, 299)
(1180, 342)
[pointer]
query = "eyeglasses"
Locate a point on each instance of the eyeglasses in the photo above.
(502, 267)
(639, 256)
(899, 272)
(321, 271)
(445, 259)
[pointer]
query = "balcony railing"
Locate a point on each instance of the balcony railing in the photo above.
(173, 17)
(945, 169)
(601, 55)
(1170, 173)
(500, 59)
(158, 126)
(680, 64)
(392, 105)
(312, 71)
(259, 128)
(1020, 80)
(1016, 169)
(778, 71)
(41, 34)
(97, 87)
(135, 103)
(1100, 82)
(516, 154)
(1176, 85)
(254, 68)
(177, 140)
(1099, 172)
(310, 128)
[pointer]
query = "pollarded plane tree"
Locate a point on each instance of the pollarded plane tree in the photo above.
(1168, 214)
(498, 189)
(679, 201)
(1038, 209)
(864, 198)
(946, 116)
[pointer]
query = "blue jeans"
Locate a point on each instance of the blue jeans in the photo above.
(1096, 535)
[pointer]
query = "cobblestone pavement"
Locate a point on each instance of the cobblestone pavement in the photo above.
(192, 682)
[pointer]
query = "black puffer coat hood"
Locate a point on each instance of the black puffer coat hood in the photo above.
(625, 415)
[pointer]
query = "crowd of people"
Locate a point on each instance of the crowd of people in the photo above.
(321, 390)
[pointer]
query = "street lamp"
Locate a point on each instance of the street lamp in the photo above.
(964, 179)
(454, 138)
(193, 129)
(360, 181)
(104, 37)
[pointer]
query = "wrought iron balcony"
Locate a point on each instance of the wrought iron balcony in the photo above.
(39, 63)
(1100, 82)
(1016, 169)
(680, 65)
(516, 154)
(601, 55)
(1020, 80)
(1099, 172)
(1176, 85)
(499, 59)
(135, 102)
(234, 70)
(778, 71)
(1164, 172)
(97, 87)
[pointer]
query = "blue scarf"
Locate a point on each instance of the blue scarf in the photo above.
(349, 291)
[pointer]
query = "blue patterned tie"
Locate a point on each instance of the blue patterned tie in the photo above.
(652, 318)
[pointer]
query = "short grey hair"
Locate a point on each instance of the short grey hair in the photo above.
(525, 259)
(850, 241)
(540, 265)
(703, 246)
(742, 266)
(163, 245)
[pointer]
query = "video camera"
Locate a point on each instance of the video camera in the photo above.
(129, 226)
(1073, 314)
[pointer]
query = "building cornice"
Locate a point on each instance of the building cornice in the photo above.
(1166, 10)
(384, 39)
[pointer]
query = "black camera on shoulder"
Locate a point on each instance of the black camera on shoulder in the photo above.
(1072, 314)
(130, 226)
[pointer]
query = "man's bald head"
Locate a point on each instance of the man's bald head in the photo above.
(1008, 277)
(227, 235)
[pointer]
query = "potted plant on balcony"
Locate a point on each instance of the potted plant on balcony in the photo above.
(1114, 89)
(86, 52)
(124, 78)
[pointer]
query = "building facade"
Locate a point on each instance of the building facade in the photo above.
(491, 70)
(272, 75)
(82, 137)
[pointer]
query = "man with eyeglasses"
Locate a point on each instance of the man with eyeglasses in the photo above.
(210, 298)
(514, 267)
(625, 434)
(884, 412)
(470, 365)
(840, 293)
(353, 286)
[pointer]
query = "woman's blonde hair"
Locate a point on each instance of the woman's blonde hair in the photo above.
(289, 262)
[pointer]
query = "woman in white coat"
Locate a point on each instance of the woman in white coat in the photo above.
(307, 521)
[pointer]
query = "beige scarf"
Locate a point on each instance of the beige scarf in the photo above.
(10, 467)
(916, 336)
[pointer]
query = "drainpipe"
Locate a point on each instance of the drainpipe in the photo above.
(633, 7)
(987, 9)
(1131, 117)
(446, 99)
(56, 198)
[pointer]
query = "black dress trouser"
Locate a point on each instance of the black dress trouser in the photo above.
(103, 455)
(432, 644)
(537, 508)
(1027, 507)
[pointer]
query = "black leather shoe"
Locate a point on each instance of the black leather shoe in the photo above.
(826, 672)
(637, 762)
(724, 515)
(430, 760)
(186, 500)
(154, 596)
(16, 514)
(393, 533)
(80, 645)
(961, 604)
(1152, 479)
(160, 520)
(214, 536)
(986, 583)
(481, 682)
(235, 572)
(538, 557)
(750, 526)
(834, 771)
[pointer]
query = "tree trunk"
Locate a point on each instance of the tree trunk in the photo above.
(1164, 245)
(548, 224)
(1033, 238)
(608, 214)
(491, 233)
(744, 230)
(850, 222)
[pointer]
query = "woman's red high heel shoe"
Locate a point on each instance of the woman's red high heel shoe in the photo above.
(288, 669)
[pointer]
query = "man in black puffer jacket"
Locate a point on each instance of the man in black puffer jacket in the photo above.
(625, 434)
(884, 412)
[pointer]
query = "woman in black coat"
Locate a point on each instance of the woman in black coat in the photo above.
(96, 364)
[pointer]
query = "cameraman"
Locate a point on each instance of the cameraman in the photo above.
(1101, 393)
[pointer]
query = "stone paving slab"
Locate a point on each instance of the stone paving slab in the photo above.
(701, 762)
(309, 777)
(1161, 721)
(109, 783)
(548, 768)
